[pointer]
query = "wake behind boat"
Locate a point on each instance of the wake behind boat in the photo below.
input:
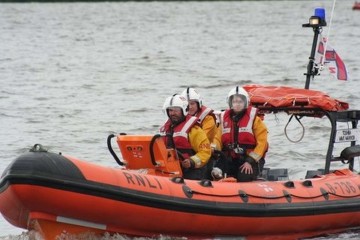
(146, 196)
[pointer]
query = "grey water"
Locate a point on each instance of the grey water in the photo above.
(72, 73)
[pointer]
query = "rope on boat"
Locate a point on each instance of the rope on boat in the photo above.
(323, 193)
(302, 126)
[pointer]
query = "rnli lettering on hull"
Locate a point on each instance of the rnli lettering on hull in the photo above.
(347, 135)
(142, 180)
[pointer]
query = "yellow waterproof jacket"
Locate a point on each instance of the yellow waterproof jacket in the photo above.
(201, 145)
(217, 145)
(209, 127)
(261, 135)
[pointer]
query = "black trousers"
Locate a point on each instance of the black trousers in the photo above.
(194, 173)
(234, 170)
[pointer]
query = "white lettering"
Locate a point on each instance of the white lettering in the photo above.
(265, 187)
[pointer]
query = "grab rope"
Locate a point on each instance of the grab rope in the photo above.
(242, 194)
(302, 126)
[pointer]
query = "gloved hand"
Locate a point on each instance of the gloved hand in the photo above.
(188, 163)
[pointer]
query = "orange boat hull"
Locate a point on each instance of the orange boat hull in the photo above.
(96, 199)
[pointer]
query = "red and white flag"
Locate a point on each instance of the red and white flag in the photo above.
(332, 60)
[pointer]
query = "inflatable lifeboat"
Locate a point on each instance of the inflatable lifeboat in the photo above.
(54, 193)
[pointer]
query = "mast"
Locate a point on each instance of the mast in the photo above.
(316, 22)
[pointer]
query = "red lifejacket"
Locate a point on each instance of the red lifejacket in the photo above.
(180, 135)
(246, 139)
(204, 111)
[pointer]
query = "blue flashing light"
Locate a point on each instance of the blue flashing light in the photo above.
(320, 12)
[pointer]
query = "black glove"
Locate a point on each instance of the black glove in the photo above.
(188, 163)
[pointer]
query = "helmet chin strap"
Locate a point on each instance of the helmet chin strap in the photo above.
(198, 106)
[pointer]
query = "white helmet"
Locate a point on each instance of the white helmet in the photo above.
(176, 100)
(240, 92)
(191, 94)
